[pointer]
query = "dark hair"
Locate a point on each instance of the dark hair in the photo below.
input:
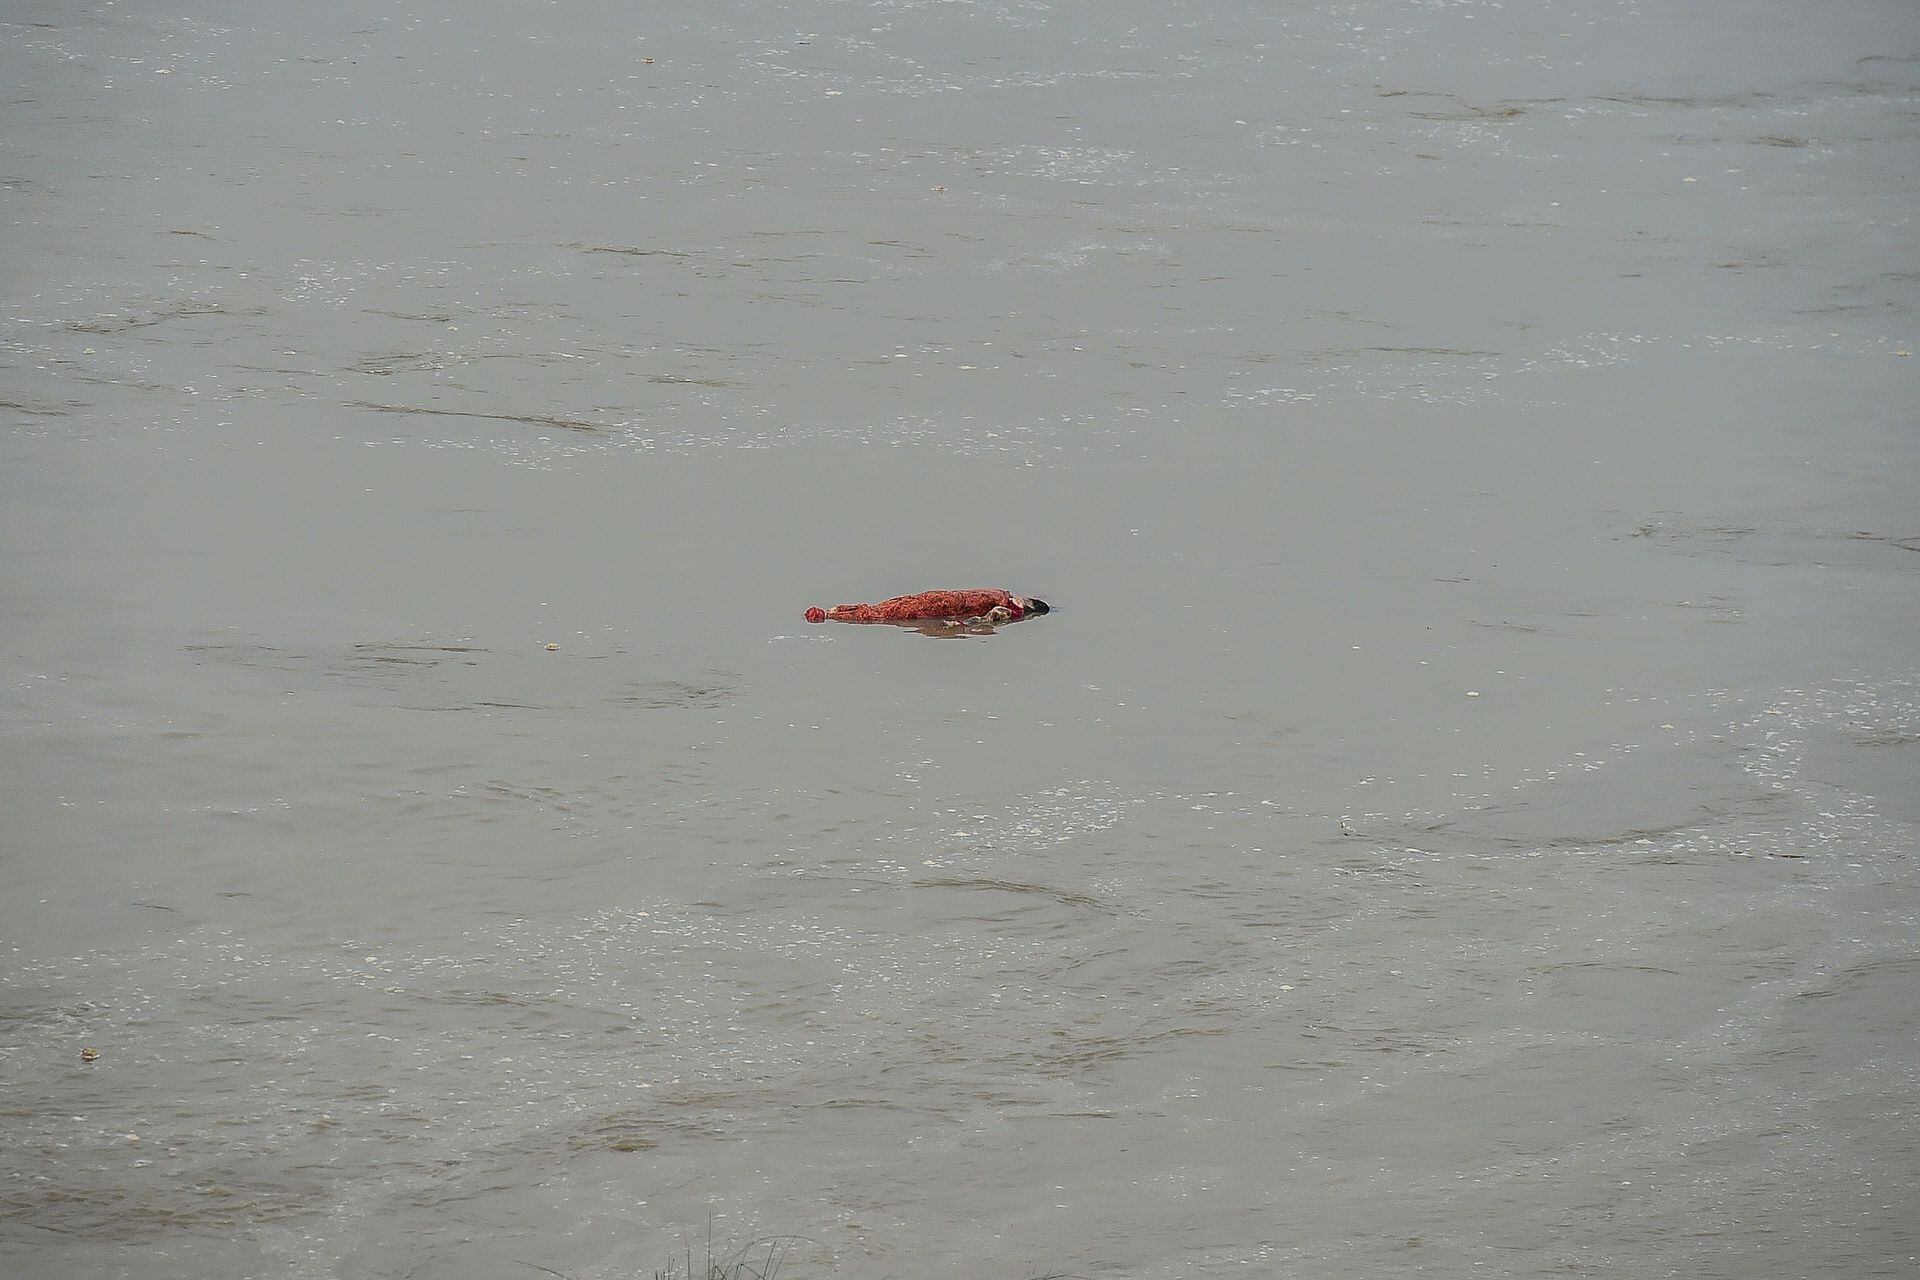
(1039, 606)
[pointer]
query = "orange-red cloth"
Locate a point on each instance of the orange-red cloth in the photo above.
(926, 604)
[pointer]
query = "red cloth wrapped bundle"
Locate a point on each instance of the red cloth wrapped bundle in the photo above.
(975, 603)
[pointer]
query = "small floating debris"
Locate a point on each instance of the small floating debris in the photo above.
(976, 606)
(553, 648)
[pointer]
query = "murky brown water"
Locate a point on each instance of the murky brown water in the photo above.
(1459, 820)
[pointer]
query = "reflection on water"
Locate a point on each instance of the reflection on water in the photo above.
(946, 628)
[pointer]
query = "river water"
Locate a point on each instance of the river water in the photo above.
(1459, 819)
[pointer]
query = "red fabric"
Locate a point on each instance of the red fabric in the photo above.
(926, 604)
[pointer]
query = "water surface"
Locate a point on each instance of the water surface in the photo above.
(1459, 819)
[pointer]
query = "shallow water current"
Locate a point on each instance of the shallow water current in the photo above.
(1459, 819)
